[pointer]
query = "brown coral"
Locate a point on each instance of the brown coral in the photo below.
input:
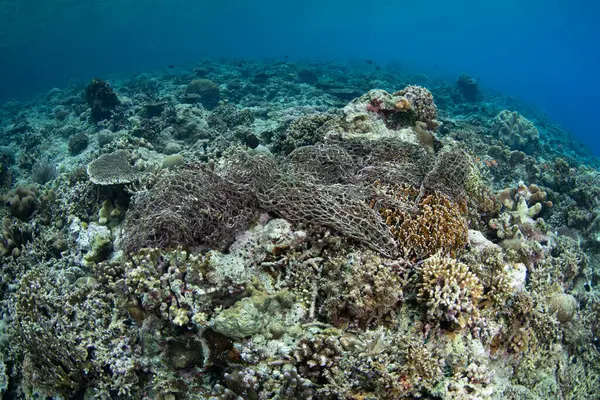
(437, 225)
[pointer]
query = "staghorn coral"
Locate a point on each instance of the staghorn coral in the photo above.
(516, 131)
(449, 290)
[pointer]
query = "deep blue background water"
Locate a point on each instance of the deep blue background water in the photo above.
(546, 52)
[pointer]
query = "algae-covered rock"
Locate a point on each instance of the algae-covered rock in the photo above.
(92, 243)
(564, 305)
(254, 314)
(173, 160)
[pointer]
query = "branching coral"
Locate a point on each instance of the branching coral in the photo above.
(437, 225)
(317, 357)
(382, 364)
(169, 283)
(520, 220)
(72, 337)
(449, 290)
(363, 288)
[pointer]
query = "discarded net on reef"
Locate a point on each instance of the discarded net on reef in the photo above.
(328, 185)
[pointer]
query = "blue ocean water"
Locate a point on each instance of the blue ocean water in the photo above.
(545, 52)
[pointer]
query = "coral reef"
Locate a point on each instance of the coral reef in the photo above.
(437, 225)
(468, 87)
(246, 229)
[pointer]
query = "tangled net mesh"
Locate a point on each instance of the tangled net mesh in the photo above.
(188, 207)
(329, 185)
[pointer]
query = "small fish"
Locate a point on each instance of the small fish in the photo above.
(252, 141)
(170, 66)
(286, 57)
(369, 61)
(477, 159)
(377, 67)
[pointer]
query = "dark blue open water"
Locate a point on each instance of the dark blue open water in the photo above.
(545, 52)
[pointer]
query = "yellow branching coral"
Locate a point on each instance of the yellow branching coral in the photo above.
(449, 290)
(438, 225)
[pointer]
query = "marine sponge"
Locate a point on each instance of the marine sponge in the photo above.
(449, 290)
(516, 131)
(112, 169)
